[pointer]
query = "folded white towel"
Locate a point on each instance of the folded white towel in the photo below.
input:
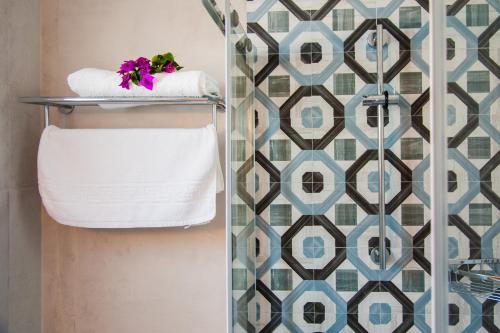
(129, 178)
(92, 82)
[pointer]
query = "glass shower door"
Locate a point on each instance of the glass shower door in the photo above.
(473, 144)
(317, 163)
(240, 175)
(396, 139)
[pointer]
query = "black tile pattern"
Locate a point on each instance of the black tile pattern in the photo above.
(379, 287)
(310, 53)
(337, 114)
(359, 197)
(317, 273)
(453, 314)
(275, 303)
(314, 312)
(312, 182)
(324, 45)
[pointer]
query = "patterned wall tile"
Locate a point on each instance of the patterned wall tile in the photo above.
(410, 17)
(473, 81)
(343, 19)
(278, 21)
(478, 81)
(477, 15)
(316, 161)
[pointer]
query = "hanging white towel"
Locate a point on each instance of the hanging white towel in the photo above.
(129, 178)
(93, 82)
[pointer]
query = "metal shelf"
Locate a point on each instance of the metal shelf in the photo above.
(70, 102)
(67, 104)
(477, 277)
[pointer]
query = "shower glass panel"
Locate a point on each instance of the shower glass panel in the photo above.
(240, 174)
(473, 132)
(317, 165)
(407, 154)
(317, 181)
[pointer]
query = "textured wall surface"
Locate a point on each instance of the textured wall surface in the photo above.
(20, 233)
(156, 280)
(317, 163)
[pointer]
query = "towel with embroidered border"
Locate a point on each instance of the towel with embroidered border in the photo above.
(129, 178)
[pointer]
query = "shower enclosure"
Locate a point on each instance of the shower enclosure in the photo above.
(360, 117)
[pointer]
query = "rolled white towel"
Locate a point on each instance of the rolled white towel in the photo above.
(93, 82)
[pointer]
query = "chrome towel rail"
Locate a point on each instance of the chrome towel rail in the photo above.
(66, 105)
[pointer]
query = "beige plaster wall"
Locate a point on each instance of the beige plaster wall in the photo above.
(20, 232)
(155, 280)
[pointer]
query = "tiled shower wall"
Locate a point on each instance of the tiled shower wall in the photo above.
(473, 149)
(242, 162)
(316, 165)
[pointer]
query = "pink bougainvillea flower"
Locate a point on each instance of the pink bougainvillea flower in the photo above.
(144, 71)
(127, 66)
(147, 81)
(142, 63)
(169, 67)
(140, 71)
(125, 82)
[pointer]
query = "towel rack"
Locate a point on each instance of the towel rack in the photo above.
(66, 105)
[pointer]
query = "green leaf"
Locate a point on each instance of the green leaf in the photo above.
(169, 56)
(158, 63)
(156, 58)
(135, 77)
(177, 66)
